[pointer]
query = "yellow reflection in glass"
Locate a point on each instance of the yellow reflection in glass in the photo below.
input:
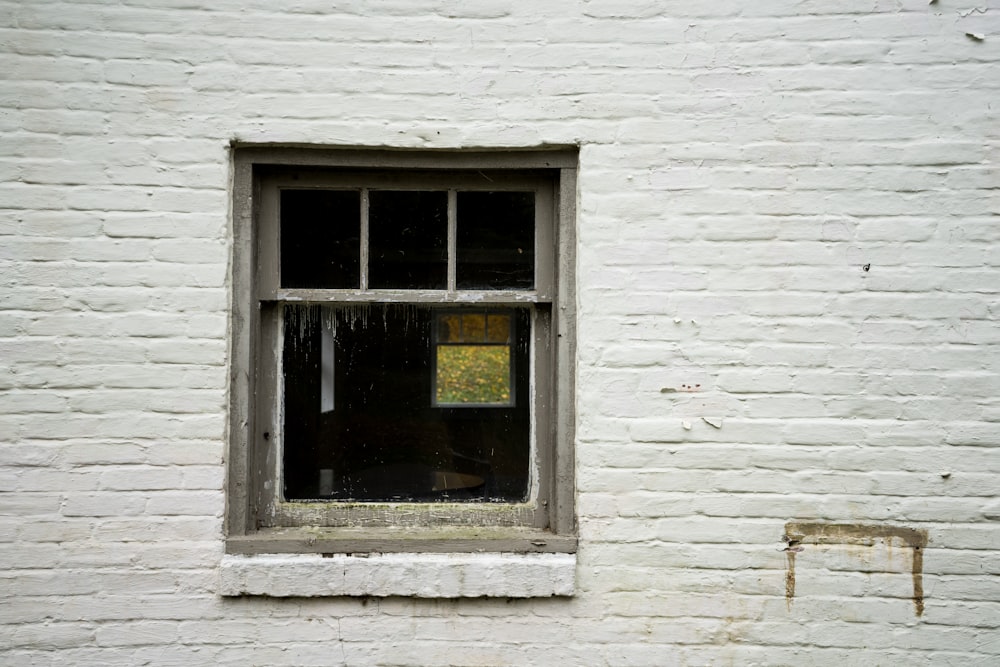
(450, 328)
(498, 328)
(473, 374)
(473, 327)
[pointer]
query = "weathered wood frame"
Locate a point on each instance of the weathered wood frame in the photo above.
(545, 523)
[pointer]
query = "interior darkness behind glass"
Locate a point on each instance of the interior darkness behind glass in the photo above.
(320, 238)
(383, 439)
(496, 240)
(408, 240)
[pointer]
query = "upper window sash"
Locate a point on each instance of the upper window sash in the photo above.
(268, 279)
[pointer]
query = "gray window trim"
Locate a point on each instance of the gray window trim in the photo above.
(546, 524)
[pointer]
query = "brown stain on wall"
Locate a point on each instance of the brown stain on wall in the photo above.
(789, 578)
(855, 533)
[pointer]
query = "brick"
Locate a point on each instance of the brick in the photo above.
(185, 503)
(137, 634)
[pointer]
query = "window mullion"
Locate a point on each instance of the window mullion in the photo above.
(452, 238)
(364, 238)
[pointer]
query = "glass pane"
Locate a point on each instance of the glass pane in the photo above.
(408, 240)
(477, 374)
(496, 240)
(384, 438)
(473, 328)
(498, 328)
(321, 238)
(449, 328)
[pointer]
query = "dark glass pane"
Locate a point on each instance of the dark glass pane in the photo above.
(320, 238)
(384, 439)
(408, 240)
(496, 240)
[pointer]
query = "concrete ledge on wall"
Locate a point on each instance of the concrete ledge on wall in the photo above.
(424, 575)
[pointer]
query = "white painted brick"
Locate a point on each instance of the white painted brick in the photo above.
(103, 504)
(423, 575)
(54, 529)
(28, 503)
(137, 634)
(47, 636)
(739, 165)
(185, 503)
(146, 528)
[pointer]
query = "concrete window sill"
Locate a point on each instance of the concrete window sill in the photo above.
(423, 575)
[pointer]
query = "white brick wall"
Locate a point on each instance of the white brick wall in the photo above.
(740, 164)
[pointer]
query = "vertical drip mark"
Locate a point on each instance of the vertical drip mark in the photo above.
(918, 579)
(790, 579)
(327, 362)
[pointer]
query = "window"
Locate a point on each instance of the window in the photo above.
(402, 351)
(472, 359)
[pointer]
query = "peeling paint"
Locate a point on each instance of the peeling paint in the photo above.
(688, 388)
(855, 534)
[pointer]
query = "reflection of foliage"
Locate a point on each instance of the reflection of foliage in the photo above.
(473, 374)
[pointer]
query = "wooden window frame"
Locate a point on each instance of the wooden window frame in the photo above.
(257, 519)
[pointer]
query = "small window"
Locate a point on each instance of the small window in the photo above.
(400, 322)
(473, 364)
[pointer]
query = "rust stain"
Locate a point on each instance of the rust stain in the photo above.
(918, 577)
(789, 579)
(860, 534)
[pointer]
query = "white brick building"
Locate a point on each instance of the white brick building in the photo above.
(783, 423)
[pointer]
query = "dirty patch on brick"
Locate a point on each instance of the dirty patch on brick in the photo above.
(799, 534)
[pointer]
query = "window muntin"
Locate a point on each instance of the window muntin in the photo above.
(383, 237)
(261, 298)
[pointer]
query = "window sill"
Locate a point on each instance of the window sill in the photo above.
(442, 562)
(442, 539)
(422, 575)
